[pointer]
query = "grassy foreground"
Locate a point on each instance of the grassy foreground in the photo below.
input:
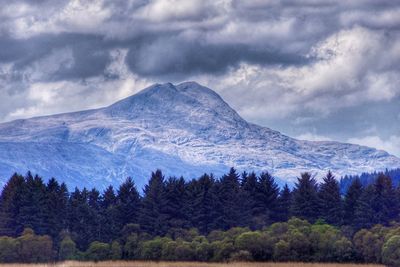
(184, 264)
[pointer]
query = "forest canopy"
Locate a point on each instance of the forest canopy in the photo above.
(235, 217)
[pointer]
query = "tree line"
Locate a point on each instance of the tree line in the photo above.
(367, 178)
(176, 219)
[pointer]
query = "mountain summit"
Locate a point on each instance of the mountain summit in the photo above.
(184, 129)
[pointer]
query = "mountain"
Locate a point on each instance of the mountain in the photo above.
(185, 129)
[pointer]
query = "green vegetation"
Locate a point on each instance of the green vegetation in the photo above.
(234, 218)
(294, 240)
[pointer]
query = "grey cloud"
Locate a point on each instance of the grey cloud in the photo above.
(90, 54)
(168, 47)
(179, 58)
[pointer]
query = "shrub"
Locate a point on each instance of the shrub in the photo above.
(98, 251)
(222, 250)
(168, 251)
(343, 250)
(299, 245)
(391, 251)
(184, 252)
(278, 230)
(241, 255)
(8, 249)
(322, 239)
(67, 249)
(152, 249)
(257, 243)
(282, 251)
(368, 245)
(33, 248)
(131, 248)
(115, 251)
(203, 251)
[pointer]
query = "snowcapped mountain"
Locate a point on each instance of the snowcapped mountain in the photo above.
(185, 129)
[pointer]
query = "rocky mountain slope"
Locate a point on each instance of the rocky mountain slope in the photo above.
(185, 129)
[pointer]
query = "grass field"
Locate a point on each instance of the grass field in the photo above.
(184, 264)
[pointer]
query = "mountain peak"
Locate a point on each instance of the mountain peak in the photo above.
(190, 87)
(187, 98)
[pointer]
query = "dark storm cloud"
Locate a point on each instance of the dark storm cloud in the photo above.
(174, 57)
(156, 48)
(149, 55)
(90, 53)
(158, 42)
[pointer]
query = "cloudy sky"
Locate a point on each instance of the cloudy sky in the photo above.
(312, 69)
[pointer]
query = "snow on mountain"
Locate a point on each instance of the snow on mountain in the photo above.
(185, 129)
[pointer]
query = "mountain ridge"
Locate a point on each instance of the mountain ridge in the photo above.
(185, 129)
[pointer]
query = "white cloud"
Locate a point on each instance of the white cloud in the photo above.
(164, 10)
(374, 18)
(75, 16)
(313, 137)
(350, 71)
(51, 97)
(391, 144)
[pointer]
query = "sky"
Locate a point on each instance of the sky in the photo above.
(312, 69)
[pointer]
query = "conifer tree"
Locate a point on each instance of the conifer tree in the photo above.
(56, 206)
(32, 213)
(364, 213)
(384, 200)
(266, 196)
(284, 204)
(351, 201)
(94, 204)
(330, 200)
(305, 203)
(10, 204)
(175, 204)
(249, 189)
(203, 204)
(109, 228)
(151, 216)
(79, 218)
(229, 196)
(128, 203)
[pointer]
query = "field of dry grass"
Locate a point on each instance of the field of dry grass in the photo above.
(183, 264)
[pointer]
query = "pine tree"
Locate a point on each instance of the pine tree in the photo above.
(249, 189)
(55, 207)
(108, 198)
(229, 196)
(175, 204)
(152, 219)
(32, 213)
(266, 198)
(284, 204)
(203, 204)
(94, 204)
(384, 200)
(109, 228)
(79, 218)
(364, 212)
(305, 203)
(351, 201)
(128, 203)
(10, 205)
(330, 200)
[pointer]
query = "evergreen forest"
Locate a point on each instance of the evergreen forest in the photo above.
(236, 217)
